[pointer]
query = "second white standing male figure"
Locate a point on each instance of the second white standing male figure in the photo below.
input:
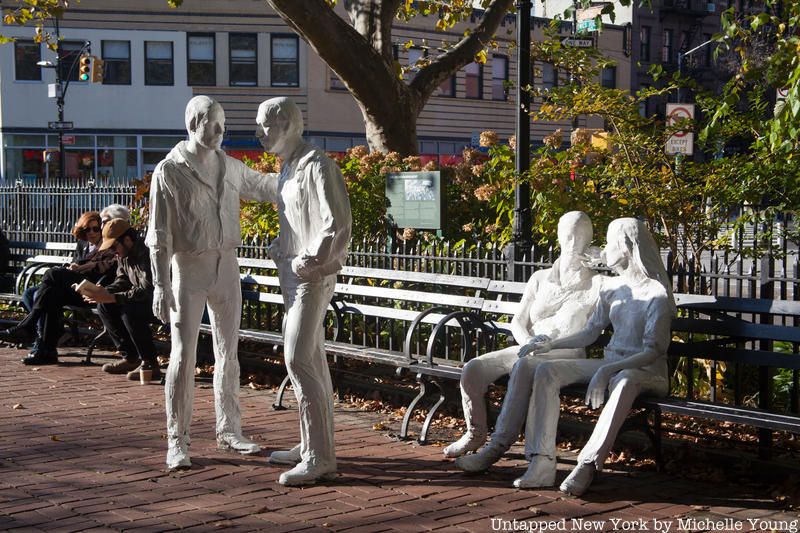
(315, 225)
(194, 229)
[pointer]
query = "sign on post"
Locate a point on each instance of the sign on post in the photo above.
(61, 125)
(680, 142)
(68, 139)
(416, 199)
(577, 43)
(585, 26)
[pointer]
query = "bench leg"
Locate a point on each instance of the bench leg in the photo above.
(423, 435)
(655, 436)
(412, 407)
(88, 359)
(278, 405)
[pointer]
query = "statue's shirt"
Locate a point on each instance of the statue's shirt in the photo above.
(191, 212)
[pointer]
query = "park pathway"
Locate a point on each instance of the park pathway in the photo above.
(81, 450)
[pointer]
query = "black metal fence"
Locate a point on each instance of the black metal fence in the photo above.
(48, 212)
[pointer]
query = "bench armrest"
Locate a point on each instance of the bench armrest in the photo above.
(469, 323)
(413, 327)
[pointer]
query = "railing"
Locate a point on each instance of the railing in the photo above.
(48, 212)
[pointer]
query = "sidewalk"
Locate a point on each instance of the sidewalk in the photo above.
(82, 450)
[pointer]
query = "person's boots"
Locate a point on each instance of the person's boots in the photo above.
(41, 354)
(19, 334)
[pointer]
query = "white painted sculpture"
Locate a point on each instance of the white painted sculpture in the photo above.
(558, 300)
(194, 229)
(639, 305)
(315, 225)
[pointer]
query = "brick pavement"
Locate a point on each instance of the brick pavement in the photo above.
(81, 450)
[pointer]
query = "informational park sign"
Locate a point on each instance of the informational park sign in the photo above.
(415, 199)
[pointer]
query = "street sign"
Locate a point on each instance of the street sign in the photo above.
(680, 142)
(578, 43)
(61, 125)
(68, 139)
(585, 26)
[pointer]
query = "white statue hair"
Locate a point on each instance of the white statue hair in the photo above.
(284, 109)
(580, 220)
(633, 235)
(196, 109)
(116, 211)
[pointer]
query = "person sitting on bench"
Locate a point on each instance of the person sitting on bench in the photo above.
(125, 306)
(44, 322)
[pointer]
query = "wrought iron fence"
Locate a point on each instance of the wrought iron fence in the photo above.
(47, 213)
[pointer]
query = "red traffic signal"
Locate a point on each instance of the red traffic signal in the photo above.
(85, 67)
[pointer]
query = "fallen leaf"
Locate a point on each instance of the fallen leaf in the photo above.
(54, 438)
(18, 406)
(536, 511)
(472, 504)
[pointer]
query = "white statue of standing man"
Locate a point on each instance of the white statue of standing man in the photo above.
(192, 235)
(315, 226)
(557, 300)
(639, 305)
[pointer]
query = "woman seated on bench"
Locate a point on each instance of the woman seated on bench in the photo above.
(638, 304)
(56, 291)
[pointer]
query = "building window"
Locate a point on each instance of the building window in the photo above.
(117, 59)
(244, 59)
(499, 77)
(473, 80)
(414, 55)
(336, 84)
(549, 76)
(285, 70)
(201, 59)
(158, 63)
(644, 44)
(667, 46)
(448, 87)
(609, 77)
(70, 55)
(26, 55)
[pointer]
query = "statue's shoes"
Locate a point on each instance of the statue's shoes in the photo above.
(308, 473)
(469, 442)
(285, 457)
(540, 473)
(481, 461)
(237, 443)
(178, 456)
(579, 479)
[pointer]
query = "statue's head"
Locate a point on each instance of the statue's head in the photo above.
(630, 245)
(205, 122)
(280, 124)
(574, 232)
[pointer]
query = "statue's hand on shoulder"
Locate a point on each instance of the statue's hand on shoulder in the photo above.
(163, 302)
(536, 344)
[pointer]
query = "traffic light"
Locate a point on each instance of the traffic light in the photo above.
(98, 66)
(85, 67)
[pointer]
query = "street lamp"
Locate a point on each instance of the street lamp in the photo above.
(521, 229)
(61, 87)
(683, 55)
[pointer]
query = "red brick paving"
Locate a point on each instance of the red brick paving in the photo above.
(84, 451)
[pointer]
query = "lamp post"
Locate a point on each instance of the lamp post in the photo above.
(682, 56)
(61, 87)
(521, 229)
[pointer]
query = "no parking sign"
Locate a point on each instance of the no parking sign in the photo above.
(680, 142)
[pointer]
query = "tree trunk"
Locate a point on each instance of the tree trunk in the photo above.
(361, 55)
